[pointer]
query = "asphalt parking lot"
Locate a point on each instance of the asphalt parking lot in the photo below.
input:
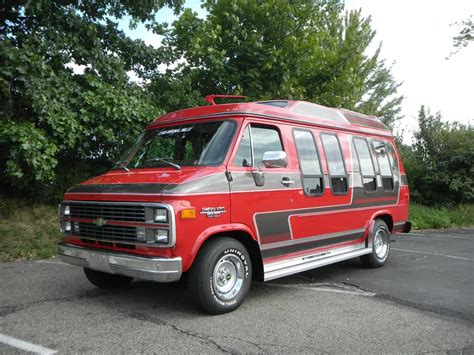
(422, 301)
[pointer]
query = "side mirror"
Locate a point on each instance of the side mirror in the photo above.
(275, 159)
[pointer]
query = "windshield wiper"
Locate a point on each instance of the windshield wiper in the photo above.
(123, 165)
(176, 166)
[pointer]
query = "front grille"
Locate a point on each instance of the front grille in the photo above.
(116, 224)
(131, 213)
(108, 232)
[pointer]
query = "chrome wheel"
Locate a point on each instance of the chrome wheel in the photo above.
(228, 276)
(381, 243)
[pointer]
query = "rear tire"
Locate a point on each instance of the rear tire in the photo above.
(221, 275)
(380, 240)
(106, 281)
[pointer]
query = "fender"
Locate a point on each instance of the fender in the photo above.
(222, 228)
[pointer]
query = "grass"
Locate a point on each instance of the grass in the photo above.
(27, 231)
(424, 217)
(30, 231)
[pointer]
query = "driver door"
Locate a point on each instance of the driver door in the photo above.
(258, 193)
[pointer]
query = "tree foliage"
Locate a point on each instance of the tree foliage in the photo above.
(277, 49)
(440, 164)
(53, 119)
(465, 35)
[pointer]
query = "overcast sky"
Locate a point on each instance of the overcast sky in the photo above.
(416, 38)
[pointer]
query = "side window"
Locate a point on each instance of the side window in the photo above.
(337, 171)
(256, 141)
(384, 165)
(264, 139)
(366, 165)
(392, 155)
(309, 162)
(244, 153)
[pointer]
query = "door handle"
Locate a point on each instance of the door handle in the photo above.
(287, 181)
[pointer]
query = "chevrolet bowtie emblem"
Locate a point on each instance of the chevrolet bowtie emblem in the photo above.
(100, 222)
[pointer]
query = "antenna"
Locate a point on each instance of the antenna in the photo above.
(210, 98)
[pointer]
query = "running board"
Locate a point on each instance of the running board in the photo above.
(292, 266)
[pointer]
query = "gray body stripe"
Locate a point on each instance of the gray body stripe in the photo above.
(404, 180)
(273, 224)
(243, 181)
(310, 239)
(118, 188)
(311, 245)
(214, 183)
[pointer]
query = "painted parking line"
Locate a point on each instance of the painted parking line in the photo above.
(25, 346)
(51, 262)
(434, 254)
(336, 288)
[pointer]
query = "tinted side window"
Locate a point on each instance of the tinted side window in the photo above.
(264, 139)
(309, 162)
(366, 165)
(384, 164)
(335, 162)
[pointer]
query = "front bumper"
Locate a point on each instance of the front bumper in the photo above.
(154, 269)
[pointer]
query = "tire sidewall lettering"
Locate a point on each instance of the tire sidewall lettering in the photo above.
(242, 257)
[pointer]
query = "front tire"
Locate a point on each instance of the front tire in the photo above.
(106, 281)
(380, 240)
(221, 275)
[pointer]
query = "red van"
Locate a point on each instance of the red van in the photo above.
(234, 192)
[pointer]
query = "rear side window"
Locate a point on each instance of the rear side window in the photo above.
(384, 165)
(256, 141)
(337, 171)
(366, 164)
(309, 162)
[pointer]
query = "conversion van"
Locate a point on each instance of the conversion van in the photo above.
(233, 192)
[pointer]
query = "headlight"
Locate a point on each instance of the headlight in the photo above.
(160, 215)
(161, 236)
(65, 227)
(67, 210)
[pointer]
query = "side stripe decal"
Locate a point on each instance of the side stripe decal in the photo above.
(340, 238)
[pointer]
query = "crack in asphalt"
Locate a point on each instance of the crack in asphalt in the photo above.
(201, 338)
(7, 310)
(436, 310)
(281, 346)
(469, 349)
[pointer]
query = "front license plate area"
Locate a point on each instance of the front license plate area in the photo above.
(99, 262)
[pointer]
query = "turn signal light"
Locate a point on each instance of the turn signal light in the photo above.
(188, 213)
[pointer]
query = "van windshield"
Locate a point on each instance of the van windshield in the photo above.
(197, 144)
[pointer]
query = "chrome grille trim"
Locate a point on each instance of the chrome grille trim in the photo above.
(120, 232)
(110, 212)
(105, 233)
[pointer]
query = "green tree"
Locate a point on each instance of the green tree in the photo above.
(465, 35)
(309, 50)
(439, 165)
(52, 119)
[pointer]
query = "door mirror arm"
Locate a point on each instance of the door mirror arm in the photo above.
(259, 175)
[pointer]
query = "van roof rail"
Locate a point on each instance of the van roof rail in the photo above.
(210, 98)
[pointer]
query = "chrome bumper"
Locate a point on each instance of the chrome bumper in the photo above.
(154, 269)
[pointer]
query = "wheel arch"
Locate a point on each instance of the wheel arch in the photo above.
(385, 216)
(245, 236)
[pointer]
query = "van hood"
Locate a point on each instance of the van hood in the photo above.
(156, 182)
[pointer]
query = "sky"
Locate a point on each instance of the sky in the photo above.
(416, 38)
